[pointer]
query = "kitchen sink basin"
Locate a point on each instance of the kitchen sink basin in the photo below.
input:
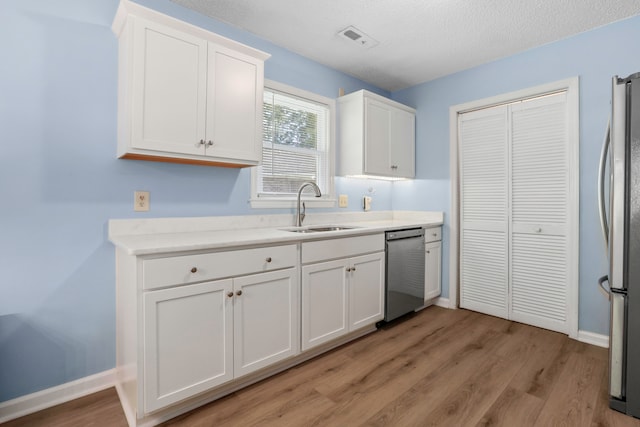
(319, 229)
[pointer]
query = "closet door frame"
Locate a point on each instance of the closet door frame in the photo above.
(571, 87)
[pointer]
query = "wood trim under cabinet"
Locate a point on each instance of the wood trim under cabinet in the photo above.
(147, 157)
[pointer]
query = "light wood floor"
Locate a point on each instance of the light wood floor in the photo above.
(438, 368)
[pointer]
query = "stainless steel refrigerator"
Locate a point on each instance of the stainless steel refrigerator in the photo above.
(621, 226)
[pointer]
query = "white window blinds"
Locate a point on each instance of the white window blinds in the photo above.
(295, 144)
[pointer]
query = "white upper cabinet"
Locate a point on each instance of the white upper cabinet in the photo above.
(186, 95)
(376, 136)
(169, 84)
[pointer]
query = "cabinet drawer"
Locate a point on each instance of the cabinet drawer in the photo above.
(432, 234)
(341, 248)
(161, 272)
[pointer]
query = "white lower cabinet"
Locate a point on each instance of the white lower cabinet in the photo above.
(192, 327)
(366, 290)
(433, 264)
(199, 336)
(188, 341)
(324, 302)
(341, 295)
(265, 319)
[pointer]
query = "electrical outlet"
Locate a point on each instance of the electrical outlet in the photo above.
(140, 201)
(366, 203)
(343, 201)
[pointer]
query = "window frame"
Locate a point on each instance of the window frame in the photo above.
(328, 198)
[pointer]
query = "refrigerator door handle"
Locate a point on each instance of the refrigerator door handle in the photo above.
(604, 223)
(605, 289)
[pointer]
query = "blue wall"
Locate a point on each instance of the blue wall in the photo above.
(594, 57)
(60, 181)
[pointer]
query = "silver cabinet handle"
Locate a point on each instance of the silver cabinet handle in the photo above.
(202, 142)
(209, 143)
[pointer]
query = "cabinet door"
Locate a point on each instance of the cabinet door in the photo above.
(377, 131)
(403, 143)
(324, 302)
(265, 319)
(366, 290)
(433, 262)
(234, 105)
(169, 87)
(188, 341)
(484, 215)
(540, 246)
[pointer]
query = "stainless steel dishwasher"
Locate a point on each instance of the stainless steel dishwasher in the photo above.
(404, 272)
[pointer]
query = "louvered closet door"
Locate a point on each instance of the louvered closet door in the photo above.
(484, 211)
(540, 206)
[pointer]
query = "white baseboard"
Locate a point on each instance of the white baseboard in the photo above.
(442, 302)
(593, 338)
(43, 399)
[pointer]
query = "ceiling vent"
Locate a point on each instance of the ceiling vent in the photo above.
(358, 37)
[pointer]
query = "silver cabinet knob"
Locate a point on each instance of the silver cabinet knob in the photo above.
(194, 269)
(239, 293)
(268, 259)
(202, 142)
(209, 143)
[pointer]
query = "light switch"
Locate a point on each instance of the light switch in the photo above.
(140, 201)
(343, 201)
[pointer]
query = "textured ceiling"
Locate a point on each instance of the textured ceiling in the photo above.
(419, 40)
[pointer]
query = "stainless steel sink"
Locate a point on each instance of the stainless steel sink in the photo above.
(319, 229)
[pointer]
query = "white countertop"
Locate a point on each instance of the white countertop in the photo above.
(163, 235)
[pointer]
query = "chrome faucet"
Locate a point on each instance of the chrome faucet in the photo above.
(300, 215)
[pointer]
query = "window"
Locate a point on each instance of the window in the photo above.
(297, 146)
